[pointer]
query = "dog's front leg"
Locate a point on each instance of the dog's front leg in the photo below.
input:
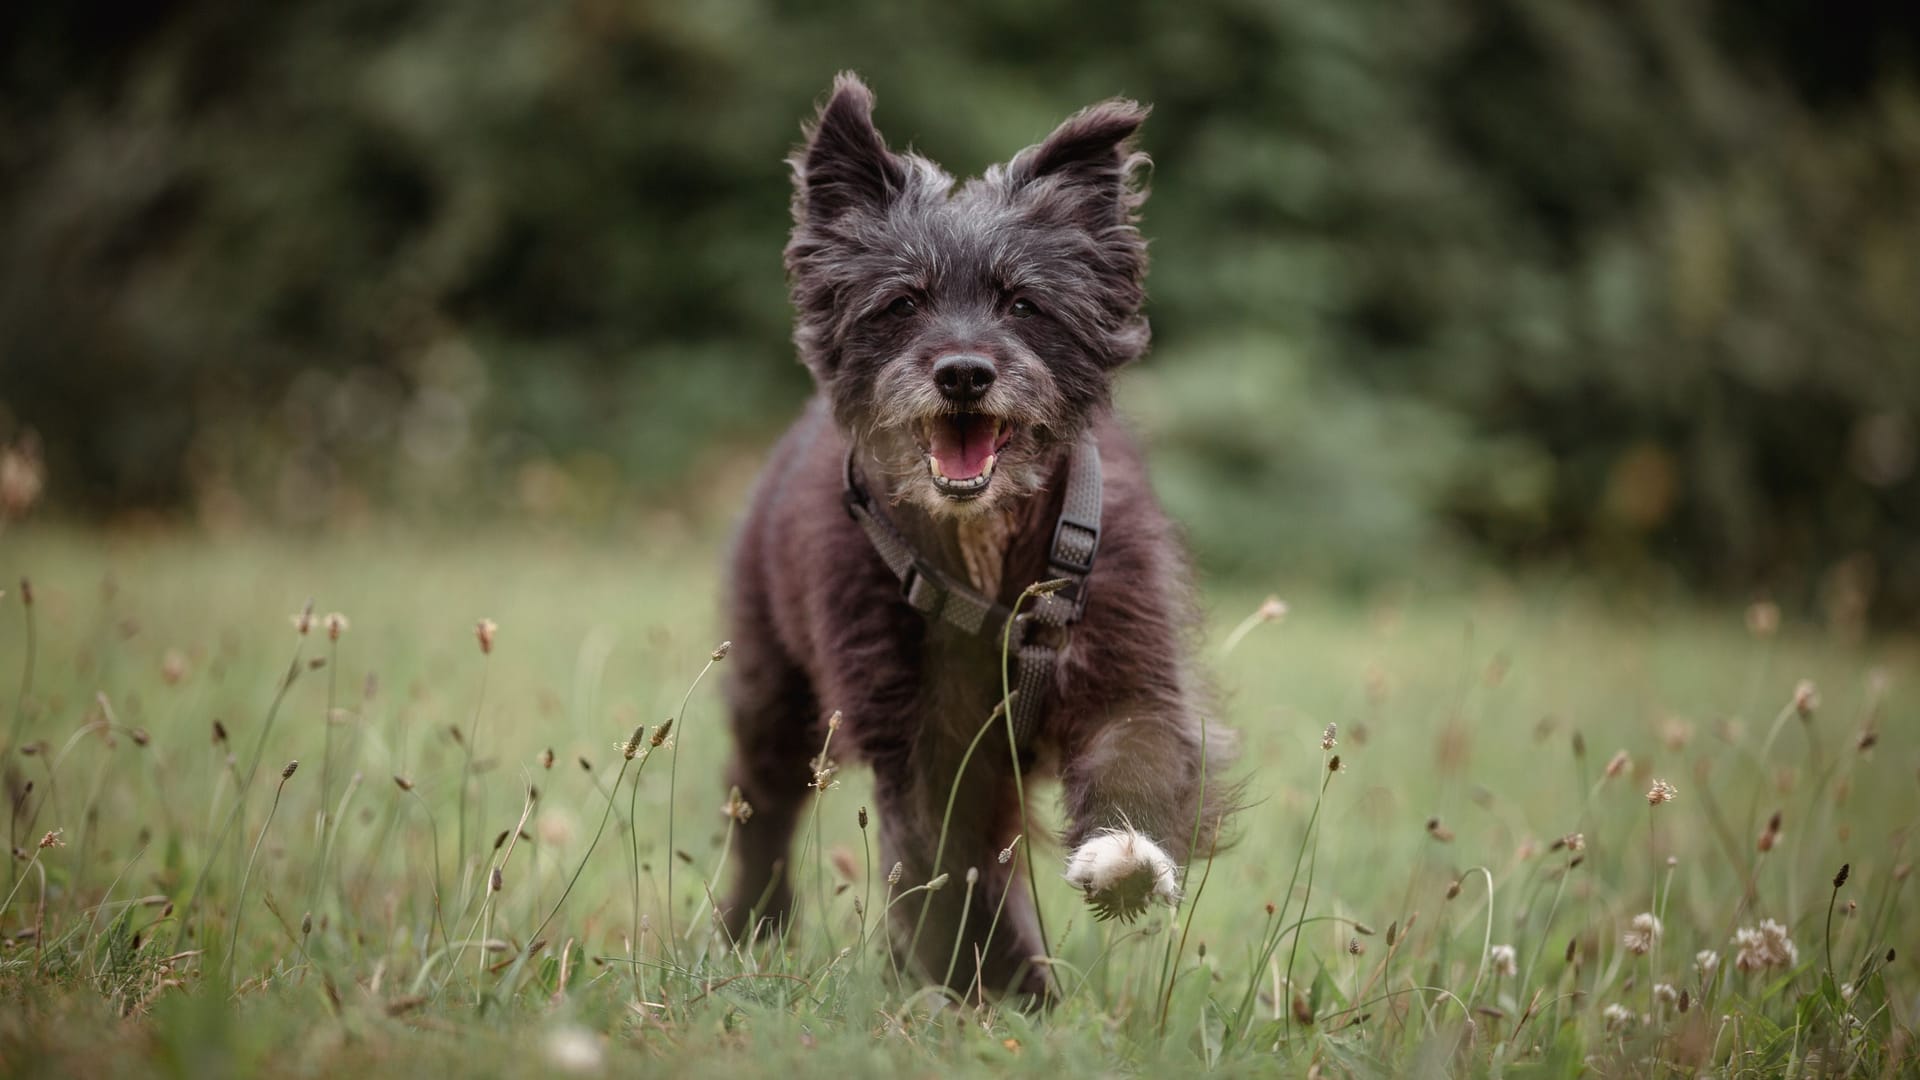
(1143, 793)
(945, 928)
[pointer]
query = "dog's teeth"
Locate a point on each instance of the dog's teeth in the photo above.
(933, 463)
(987, 469)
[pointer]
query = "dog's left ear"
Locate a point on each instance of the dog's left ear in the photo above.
(1091, 158)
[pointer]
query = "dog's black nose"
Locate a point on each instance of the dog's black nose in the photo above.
(963, 376)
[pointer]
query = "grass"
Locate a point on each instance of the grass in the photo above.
(376, 912)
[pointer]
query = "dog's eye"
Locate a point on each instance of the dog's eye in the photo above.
(1024, 308)
(902, 307)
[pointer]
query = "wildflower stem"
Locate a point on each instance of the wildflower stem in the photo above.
(239, 799)
(433, 831)
(240, 902)
(1832, 899)
(960, 932)
(466, 761)
(633, 837)
(1170, 968)
(1013, 753)
(604, 816)
(1313, 863)
(1276, 926)
(31, 860)
(946, 818)
(673, 774)
(26, 669)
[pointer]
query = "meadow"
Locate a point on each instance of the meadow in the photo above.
(1524, 827)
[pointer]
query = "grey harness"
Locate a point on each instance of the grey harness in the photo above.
(1039, 631)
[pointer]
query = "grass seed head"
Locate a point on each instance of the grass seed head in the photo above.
(1806, 699)
(721, 652)
(1660, 792)
(1618, 764)
(1642, 933)
(291, 767)
(1327, 739)
(1765, 946)
(402, 782)
(483, 632)
(336, 624)
(660, 733)
(1504, 960)
(1840, 878)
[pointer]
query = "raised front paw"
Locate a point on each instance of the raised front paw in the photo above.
(1121, 871)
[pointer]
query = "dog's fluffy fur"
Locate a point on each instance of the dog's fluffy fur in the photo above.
(1037, 267)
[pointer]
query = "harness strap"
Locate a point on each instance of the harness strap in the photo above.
(936, 594)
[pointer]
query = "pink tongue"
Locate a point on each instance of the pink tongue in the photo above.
(962, 445)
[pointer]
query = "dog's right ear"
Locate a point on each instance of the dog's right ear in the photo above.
(845, 164)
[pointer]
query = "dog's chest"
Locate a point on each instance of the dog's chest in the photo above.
(961, 671)
(983, 550)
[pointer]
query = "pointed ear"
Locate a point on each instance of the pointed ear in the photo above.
(845, 164)
(1092, 157)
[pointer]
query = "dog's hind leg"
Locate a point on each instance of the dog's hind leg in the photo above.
(775, 717)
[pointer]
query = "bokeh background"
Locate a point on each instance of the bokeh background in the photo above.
(1629, 288)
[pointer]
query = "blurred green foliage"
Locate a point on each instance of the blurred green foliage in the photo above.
(1629, 286)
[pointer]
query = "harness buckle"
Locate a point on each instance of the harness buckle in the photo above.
(1062, 557)
(1029, 628)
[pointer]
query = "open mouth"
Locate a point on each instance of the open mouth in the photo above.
(961, 449)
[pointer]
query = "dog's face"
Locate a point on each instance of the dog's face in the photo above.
(965, 336)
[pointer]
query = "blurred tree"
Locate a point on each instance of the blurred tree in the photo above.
(1631, 285)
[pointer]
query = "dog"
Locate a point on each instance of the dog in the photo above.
(963, 342)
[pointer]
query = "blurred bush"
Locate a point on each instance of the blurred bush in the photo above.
(1625, 285)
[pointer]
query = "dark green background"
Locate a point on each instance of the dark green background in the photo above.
(1630, 286)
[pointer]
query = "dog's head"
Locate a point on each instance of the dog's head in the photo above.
(963, 336)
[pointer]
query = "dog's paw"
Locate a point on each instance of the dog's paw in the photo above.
(1120, 872)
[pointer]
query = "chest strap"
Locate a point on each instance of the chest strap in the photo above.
(1039, 633)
